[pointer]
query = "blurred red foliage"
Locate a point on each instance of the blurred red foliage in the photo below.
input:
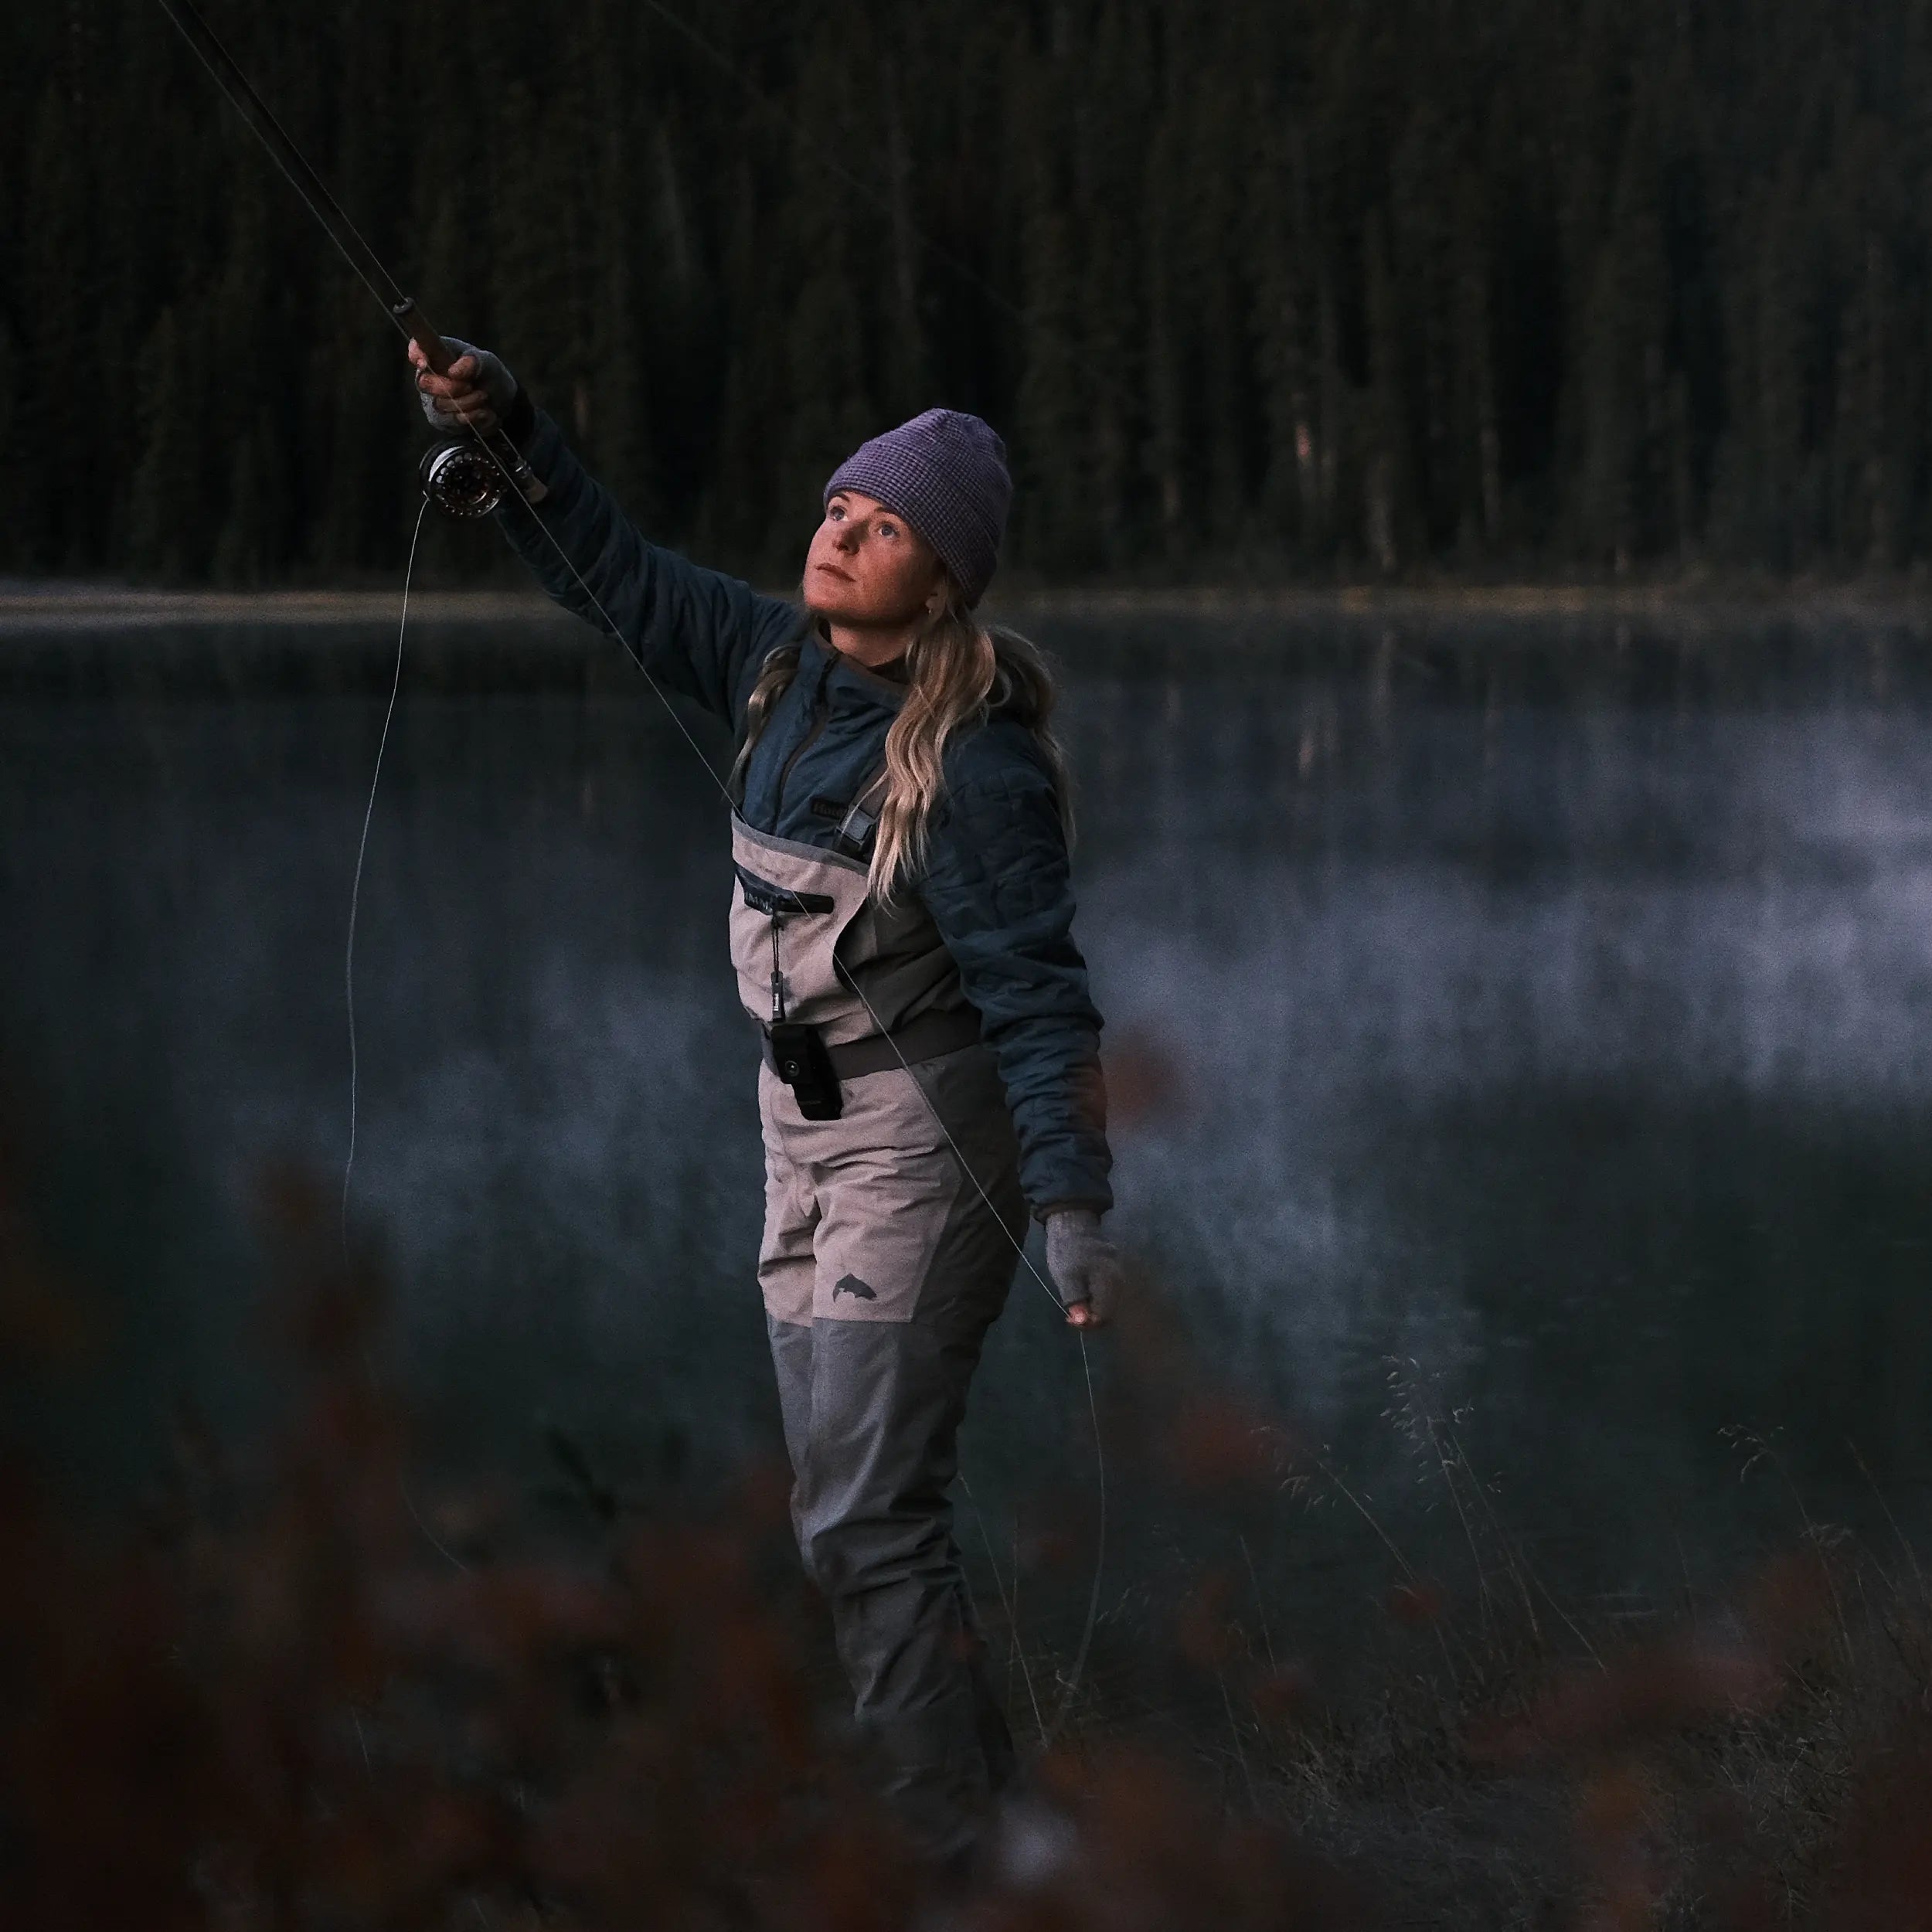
(293, 1702)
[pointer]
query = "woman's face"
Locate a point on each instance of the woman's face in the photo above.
(868, 568)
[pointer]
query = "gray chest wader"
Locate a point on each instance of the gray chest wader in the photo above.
(882, 1268)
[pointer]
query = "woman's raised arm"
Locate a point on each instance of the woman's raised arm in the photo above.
(698, 632)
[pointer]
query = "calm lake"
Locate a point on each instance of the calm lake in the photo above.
(1521, 1037)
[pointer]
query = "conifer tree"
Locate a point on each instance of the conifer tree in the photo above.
(1165, 256)
(165, 519)
(1048, 414)
(1368, 288)
(254, 542)
(1477, 470)
(54, 255)
(832, 352)
(738, 497)
(1385, 442)
(14, 552)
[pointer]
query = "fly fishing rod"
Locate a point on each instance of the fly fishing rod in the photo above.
(471, 478)
(465, 477)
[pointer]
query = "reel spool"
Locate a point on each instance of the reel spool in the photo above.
(461, 479)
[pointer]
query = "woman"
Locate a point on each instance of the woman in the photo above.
(901, 930)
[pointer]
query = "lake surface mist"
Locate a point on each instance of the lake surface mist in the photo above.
(1523, 1037)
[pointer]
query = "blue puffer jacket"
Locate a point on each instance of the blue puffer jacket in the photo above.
(996, 878)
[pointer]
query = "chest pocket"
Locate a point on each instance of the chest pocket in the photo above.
(791, 905)
(795, 905)
(779, 902)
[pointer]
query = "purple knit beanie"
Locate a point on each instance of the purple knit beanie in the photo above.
(945, 473)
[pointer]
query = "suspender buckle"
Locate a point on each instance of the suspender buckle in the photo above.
(854, 837)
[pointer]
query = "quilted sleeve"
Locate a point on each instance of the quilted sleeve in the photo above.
(700, 632)
(999, 884)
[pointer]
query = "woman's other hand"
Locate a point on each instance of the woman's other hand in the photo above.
(1085, 1265)
(476, 394)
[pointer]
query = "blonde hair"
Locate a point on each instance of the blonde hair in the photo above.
(959, 672)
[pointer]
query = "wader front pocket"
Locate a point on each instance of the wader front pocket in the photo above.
(779, 902)
(799, 1059)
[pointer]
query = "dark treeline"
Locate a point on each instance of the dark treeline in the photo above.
(1273, 287)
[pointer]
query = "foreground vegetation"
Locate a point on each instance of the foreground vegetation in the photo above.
(299, 1694)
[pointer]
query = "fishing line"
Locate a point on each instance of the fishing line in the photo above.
(723, 62)
(355, 884)
(348, 1000)
(724, 792)
(1070, 1684)
(402, 311)
(1007, 1604)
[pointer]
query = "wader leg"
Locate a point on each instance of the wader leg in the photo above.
(873, 1388)
(875, 1527)
(785, 1268)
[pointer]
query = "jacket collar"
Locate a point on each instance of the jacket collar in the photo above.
(846, 673)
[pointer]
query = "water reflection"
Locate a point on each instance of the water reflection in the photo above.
(1544, 1015)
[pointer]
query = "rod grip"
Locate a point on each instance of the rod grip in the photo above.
(426, 339)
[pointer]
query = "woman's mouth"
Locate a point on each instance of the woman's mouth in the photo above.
(832, 570)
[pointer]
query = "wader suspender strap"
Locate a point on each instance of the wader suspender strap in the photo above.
(860, 825)
(853, 839)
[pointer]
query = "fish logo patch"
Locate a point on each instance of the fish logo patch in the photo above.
(852, 1285)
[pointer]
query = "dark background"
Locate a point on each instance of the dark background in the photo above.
(1267, 288)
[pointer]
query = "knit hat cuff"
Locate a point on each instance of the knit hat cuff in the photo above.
(945, 473)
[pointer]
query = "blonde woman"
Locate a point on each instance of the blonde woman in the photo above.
(901, 926)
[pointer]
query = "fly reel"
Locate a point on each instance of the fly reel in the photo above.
(461, 479)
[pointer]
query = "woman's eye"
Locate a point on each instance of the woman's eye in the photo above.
(888, 529)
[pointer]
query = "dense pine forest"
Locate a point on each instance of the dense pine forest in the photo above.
(1267, 288)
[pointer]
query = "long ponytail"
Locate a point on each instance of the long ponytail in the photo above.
(959, 671)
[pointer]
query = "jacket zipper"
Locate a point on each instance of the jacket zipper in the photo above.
(818, 715)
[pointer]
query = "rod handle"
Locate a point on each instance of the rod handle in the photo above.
(415, 325)
(412, 319)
